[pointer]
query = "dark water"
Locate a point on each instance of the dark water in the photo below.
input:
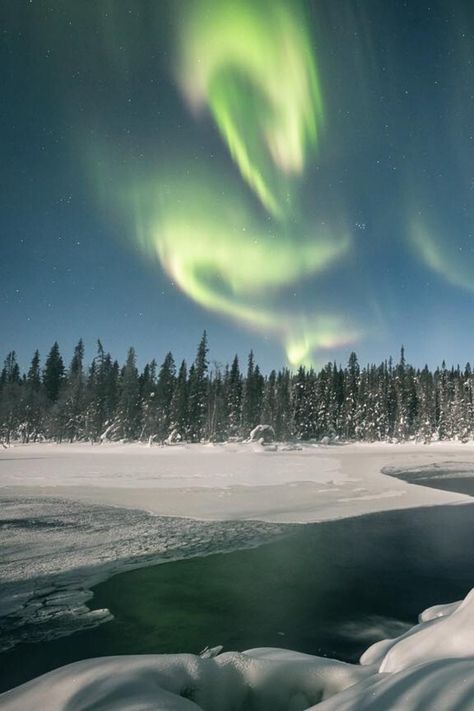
(462, 485)
(447, 476)
(330, 589)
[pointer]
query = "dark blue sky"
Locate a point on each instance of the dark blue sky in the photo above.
(90, 95)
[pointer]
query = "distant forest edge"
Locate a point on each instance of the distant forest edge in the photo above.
(106, 401)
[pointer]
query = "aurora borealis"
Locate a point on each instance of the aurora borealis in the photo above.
(252, 65)
(294, 177)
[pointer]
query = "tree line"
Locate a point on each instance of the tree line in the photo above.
(107, 401)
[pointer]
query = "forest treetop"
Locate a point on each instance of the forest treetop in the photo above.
(108, 401)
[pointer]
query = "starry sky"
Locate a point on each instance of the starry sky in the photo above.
(293, 177)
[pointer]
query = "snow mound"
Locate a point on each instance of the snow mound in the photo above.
(443, 685)
(446, 631)
(429, 667)
(262, 680)
(262, 434)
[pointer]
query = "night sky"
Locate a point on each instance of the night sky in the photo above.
(296, 179)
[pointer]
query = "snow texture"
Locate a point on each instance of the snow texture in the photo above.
(430, 667)
(234, 481)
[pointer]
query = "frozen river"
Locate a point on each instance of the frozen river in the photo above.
(72, 518)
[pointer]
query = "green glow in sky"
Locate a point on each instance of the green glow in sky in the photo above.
(451, 262)
(251, 64)
(230, 262)
(322, 333)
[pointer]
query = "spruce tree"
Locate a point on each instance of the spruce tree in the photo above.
(218, 413)
(179, 403)
(198, 405)
(128, 409)
(34, 402)
(351, 394)
(268, 400)
(148, 399)
(53, 374)
(73, 396)
(164, 396)
(252, 397)
(10, 399)
(233, 389)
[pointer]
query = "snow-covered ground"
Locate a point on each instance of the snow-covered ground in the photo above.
(233, 481)
(74, 514)
(429, 667)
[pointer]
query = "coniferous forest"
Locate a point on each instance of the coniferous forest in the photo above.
(173, 402)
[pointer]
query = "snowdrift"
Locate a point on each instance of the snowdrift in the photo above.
(430, 666)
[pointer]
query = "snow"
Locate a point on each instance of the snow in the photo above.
(262, 679)
(442, 632)
(432, 667)
(233, 481)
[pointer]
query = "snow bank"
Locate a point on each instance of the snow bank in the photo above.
(264, 680)
(444, 685)
(445, 631)
(431, 667)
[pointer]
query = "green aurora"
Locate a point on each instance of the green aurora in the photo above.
(292, 175)
(232, 262)
(251, 65)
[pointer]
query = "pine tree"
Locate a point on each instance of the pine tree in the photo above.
(269, 398)
(283, 423)
(10, 399)
(128, 409)
(53, 374)
(218, 412)
(252, 397)
(442, 402)
(149, 404)
(10, 374)
(298, 399)
(426, 424)
(198, 406)
(73, 396)
(102, 397)
(233, 389)
(164, 396)
(351, 391)
(34, 402)
(179, 403)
